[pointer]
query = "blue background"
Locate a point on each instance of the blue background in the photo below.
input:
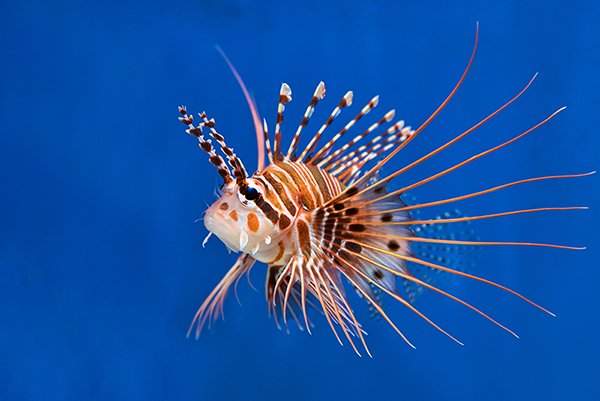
(101, 267)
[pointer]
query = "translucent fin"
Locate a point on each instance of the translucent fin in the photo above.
(454, 256)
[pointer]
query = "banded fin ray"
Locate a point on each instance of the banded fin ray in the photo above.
(343, 231)
(212, 307)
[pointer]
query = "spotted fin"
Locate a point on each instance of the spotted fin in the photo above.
(353, 230)
(457, 257)
(370, 235)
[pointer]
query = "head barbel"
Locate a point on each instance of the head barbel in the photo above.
(239, 171)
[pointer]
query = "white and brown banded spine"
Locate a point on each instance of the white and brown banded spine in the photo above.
(345, 102)
(318, 95)
(285, 96)
(239, 171)
(205, 145)
(327, 148)
(338, 156)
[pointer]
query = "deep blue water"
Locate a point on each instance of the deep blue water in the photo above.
(101, 268)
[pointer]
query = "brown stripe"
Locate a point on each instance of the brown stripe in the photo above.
(206, 146)
(269, 195)
(303, 235)
(279, 253)
(281, 176)
(304, 191)
(283, 197)
(321, 184)
(216, 160)
(224, 173)
(267, 210)
(284, 222)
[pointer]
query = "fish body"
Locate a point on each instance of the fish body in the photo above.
(290, 192)
(324, 215)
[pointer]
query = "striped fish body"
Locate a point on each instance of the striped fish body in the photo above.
(307, 243)
(298, 191)
(317, 242)
(295, 190)
(275, 225)
(319, 218)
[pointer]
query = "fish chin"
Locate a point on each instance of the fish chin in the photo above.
(225, 233)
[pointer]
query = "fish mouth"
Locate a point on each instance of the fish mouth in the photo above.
(221, 229)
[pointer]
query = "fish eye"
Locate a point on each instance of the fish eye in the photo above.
(252, 193)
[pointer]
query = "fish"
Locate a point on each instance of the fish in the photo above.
(323, 217)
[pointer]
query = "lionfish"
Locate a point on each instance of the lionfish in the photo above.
(318, 216)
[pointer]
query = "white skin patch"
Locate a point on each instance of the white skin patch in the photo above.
(243, 239)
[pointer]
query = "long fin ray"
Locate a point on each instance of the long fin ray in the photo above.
(374, 170)
(260, 135)
(213, 305)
